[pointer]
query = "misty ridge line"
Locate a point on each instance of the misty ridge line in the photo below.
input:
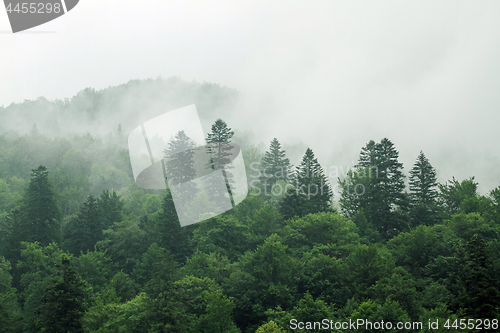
(114, 111)
(127, 105)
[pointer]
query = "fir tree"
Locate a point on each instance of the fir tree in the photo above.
(179, 166)
(42, 213)
(377, 186)
(423, 182)
(423, 194)
(85, 230)
(275, 166)
(312, 192)
(390, 177)
(219, 145)
(219, 140)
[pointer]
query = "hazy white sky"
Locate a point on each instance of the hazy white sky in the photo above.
(333, 74)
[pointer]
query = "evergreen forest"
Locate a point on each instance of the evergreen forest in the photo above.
(84, 249)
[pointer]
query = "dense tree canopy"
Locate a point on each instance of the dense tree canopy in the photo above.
(311, 191)
(83, 249)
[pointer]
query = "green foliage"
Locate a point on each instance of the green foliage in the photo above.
(376, 185)
(392, 256)
(461, 197)
(273, 271)
(416, 249)
(371, 312)
(219, 148)
(275, 166)
(324, 277)
(166, 308)
(63, 302)
(84, 230)
(166, 231)
(214, 266)
(110, 206)
(179, 163)
(13, 232)
(223, 235)
(423, 194)
(312, 192)
(261, 219)
(365, 266)
(495, 200)
(151, 205)
(131, 316)
(320, 229)
(218, 315)
(220, 134)
(96, 268)
(399, 287)
(125, 241)
(269, 327)
(42, 214)
(11, 191)
(307, 310)
(37, 265)
(367, 231)
(423, 181)
(125, 288)
(10, 316)
(71, 180)
(481, 298)
(252, 158)
(464, 226)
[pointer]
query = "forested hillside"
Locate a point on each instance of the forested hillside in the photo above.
(84, 249)
(128, 105)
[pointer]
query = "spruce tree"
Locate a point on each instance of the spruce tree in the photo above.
(84, 230)
(219, 141)
(42, 213)
(312, 192)
(368, 157)
(390, 177)
(377, 186)
(423, 193)
(275, 167)
(356, 190)
(179, 166)
(219, 146)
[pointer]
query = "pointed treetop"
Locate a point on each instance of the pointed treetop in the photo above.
(220, 132)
